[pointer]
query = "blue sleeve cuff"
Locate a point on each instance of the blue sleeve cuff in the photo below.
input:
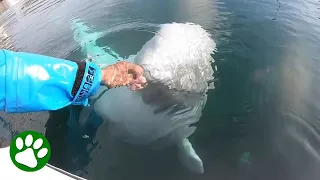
(90, 84)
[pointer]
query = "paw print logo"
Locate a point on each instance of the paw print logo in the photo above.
(30, 151)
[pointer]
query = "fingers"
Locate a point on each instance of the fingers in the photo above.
(134, 69)
(139, 80)
(135, 87)
(124, 73)
(138, 83)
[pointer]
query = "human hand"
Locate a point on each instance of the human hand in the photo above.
(124, 74)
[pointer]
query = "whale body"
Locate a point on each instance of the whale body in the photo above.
(178, 68)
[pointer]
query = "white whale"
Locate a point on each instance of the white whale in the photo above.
(178, 65)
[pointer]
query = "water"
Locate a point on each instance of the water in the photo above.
(260, 122)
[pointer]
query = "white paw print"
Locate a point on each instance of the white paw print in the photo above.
(28, 157)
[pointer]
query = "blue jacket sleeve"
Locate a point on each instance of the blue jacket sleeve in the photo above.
(31, 82)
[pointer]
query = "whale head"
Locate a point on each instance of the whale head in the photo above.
(179, 55)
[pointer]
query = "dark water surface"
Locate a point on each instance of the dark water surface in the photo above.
(261, 122)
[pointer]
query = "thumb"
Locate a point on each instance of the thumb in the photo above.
(135, 70)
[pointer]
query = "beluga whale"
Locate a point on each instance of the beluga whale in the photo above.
(178, 65)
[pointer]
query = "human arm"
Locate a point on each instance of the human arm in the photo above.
(31, 82)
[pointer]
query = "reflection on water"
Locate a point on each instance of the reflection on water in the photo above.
(260, 122)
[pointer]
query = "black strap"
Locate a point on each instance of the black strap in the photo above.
(79, 77)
